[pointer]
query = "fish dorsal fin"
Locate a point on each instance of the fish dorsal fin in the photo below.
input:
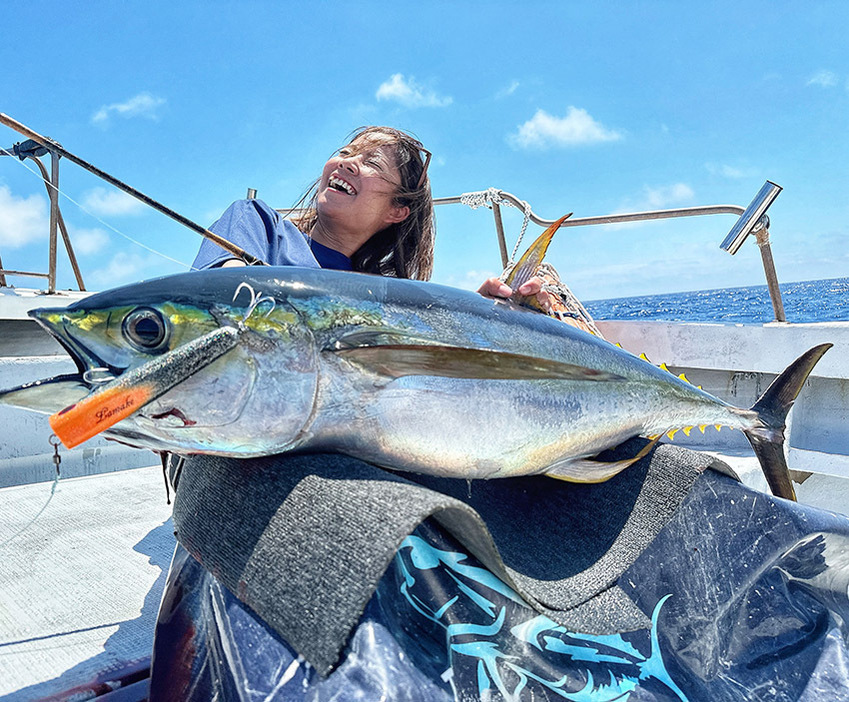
(593, 470)
(398, 360)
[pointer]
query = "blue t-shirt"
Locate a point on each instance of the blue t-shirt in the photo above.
(260, 230)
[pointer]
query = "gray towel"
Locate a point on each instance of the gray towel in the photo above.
(304, 539)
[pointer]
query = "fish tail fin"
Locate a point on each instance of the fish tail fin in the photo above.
(772, 408)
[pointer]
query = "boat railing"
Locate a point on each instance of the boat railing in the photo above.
(751, 220)
(38, 145)
(34, 151)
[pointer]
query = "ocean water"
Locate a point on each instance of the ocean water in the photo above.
(807, 301)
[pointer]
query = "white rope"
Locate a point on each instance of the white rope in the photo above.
(486, 198)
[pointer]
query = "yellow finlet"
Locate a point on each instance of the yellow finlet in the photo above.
(687, 430)
(684, 378)
(663, 366)
(671, 434)
(702, 428)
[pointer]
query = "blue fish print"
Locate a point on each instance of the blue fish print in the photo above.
(498, 644)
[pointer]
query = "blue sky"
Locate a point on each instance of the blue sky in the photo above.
(586, 107)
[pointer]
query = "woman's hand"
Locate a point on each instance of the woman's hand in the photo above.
(495, 287)
(560, 303)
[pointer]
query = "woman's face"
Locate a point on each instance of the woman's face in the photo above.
(358, 186)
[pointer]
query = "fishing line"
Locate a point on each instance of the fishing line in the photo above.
(91, 214)
(32, 521)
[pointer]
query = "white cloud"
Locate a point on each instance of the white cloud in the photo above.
(106, 203)
(653, 275)
(88, 241)
(508, 90)
(666, 196)
(142, 105)
(661, 197)
(22, 219)
(122, 269)
(408, 93)
(470, 280)
(823, 79)
(726, 171)
(576, 128)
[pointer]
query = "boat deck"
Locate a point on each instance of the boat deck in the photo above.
(80, 584)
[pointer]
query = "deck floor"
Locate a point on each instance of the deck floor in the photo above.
(80, 585)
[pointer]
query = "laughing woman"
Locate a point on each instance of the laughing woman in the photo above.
(370, 211)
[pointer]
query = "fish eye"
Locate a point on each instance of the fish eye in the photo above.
(145, 328)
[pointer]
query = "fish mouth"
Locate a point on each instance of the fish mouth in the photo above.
(50, 395)
(87, 360)
(47, 396)
(170, 411)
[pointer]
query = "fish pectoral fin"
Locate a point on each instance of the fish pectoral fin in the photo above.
(596, 470)
(376, 336)
(586, 470)
(397, 361)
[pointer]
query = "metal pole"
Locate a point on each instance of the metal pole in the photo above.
(53, 147)
(63, 229)
(8, 271)
(762, 237)
(499, 229)
(54, 220)
(72, 257)
(611, 219)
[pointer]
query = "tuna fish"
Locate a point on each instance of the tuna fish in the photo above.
(408, 375)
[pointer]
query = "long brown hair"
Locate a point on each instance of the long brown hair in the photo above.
(403, 249)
